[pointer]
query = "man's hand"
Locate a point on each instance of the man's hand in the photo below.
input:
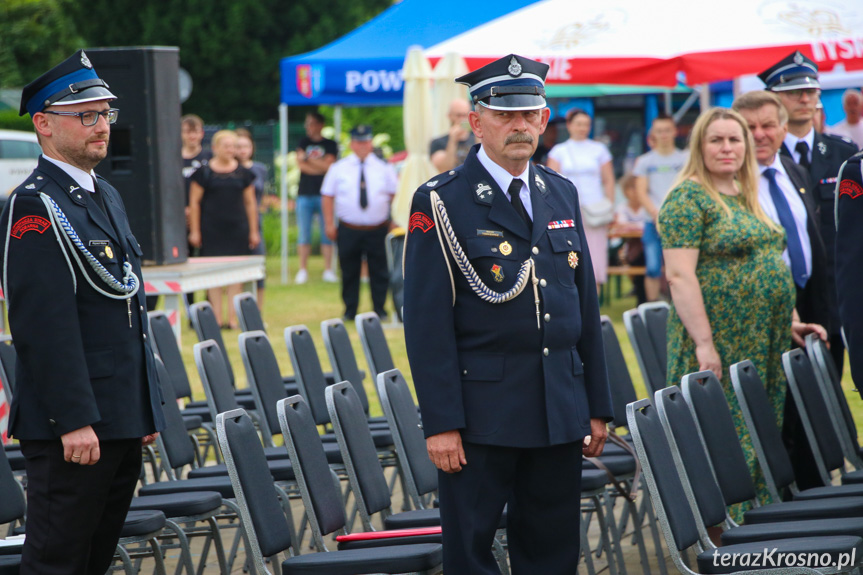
(149, 439)
(332, 232)
(593, 443)
(446, 451)
(81, 446)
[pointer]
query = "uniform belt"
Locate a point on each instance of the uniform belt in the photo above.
(365, 228)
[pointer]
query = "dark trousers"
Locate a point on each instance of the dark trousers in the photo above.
(837, 350)
(353, 245)
(542, 490)
(75, 512)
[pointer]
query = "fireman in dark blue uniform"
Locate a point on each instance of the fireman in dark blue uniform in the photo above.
(86, 395)
(503, 335)
(849, 261)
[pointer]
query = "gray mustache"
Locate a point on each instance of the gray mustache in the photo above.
(519, 138)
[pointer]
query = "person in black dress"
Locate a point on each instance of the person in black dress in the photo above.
(223, 219)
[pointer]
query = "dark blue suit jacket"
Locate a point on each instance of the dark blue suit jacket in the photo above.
(849, 262)
(486, 369)
(79, 362)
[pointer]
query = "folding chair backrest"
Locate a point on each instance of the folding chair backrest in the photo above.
(375, 344)
(655, 318)
(214, 376)
(265, 379)
(163, 338)
(176, 447)
(262, 516)
(651, 371)
(248, 312)
(12, 505)
(404, 423)
(622, 391)
(206, 326)
(706, 399)
(321, 496)
(8, 361)
(761, 422)
(307, 368)
(813, 412)
(682, 435)
(673, 511)
(358, 450)
(342, 357)
(831, 383)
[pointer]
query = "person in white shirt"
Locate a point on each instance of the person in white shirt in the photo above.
(587, 164)
(852, 126)
(358, 191)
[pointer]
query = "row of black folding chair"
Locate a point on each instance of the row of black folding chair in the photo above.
(668, 447)
(646, 327)
(269, 531)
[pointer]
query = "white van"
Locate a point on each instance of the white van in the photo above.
(19, 154)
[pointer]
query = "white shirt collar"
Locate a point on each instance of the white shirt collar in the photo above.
(776, 165)
(82, 178)
(791, 143)
(500, 175)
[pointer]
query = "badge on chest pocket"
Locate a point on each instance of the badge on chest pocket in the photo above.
(102, 249)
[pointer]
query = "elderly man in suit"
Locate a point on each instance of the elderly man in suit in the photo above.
(503, 335)
(86, 395)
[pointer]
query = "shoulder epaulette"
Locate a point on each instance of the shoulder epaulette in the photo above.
(31, 185)
(548, 170)
(440, 180)
(842, 139)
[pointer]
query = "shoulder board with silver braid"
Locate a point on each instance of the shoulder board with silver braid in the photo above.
(125, 289)
(447, 237)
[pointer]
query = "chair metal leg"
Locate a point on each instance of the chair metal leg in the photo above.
(615, 540)
(585, 544)
(605, 535)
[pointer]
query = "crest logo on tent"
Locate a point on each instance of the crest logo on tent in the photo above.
(310, 79)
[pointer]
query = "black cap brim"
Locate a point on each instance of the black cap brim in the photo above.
(514, 102)
(801, 83)
(93, 94)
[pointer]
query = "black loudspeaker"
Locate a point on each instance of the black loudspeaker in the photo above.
(144, 155)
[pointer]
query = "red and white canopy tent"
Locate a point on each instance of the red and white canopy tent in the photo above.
(637, 42)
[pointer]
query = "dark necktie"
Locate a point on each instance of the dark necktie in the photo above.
(364, 198)
(98, 198)
(514, 192)
(803, 149)
(795, 247)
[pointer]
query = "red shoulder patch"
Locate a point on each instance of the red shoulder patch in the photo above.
(420, 221)
(29, 223)
(851, 188)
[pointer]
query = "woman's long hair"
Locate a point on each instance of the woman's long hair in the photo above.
(746, 177)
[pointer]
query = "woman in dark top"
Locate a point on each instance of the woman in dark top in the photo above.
(223, 215)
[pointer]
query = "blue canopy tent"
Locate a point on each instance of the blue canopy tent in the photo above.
(364, 67)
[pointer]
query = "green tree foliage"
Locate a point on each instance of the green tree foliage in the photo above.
(34, 35)
(231, 48)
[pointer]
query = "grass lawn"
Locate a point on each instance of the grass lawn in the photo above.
(316, 301)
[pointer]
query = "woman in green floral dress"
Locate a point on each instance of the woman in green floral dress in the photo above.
(733, 295)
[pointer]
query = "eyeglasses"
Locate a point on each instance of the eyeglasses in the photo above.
(798, 94)
(90, 117)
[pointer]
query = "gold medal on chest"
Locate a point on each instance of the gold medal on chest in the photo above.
(572, 258)
(505, 248)
(109, 252)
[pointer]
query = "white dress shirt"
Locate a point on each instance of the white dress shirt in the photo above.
(791, 143)
(795, 202)
(504, 179)
(82, 178)
(342, 182)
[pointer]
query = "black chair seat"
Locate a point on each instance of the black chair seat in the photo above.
(396, 559)
(853, 477)
(193, 422)
(16, 460)
(10, 564)
(813, 509)
(851, 490)
(179, 504)
(382, 438)
(220, 484)
(371, 543)
(710, 561)
(613, 449)
(593, 479)
(197, 411)
(142, 522)
(791, 529)
(281, 469)
(413, 519)
(618, 464)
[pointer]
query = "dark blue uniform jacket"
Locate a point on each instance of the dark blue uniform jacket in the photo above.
(79, 362)
(486, 369)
